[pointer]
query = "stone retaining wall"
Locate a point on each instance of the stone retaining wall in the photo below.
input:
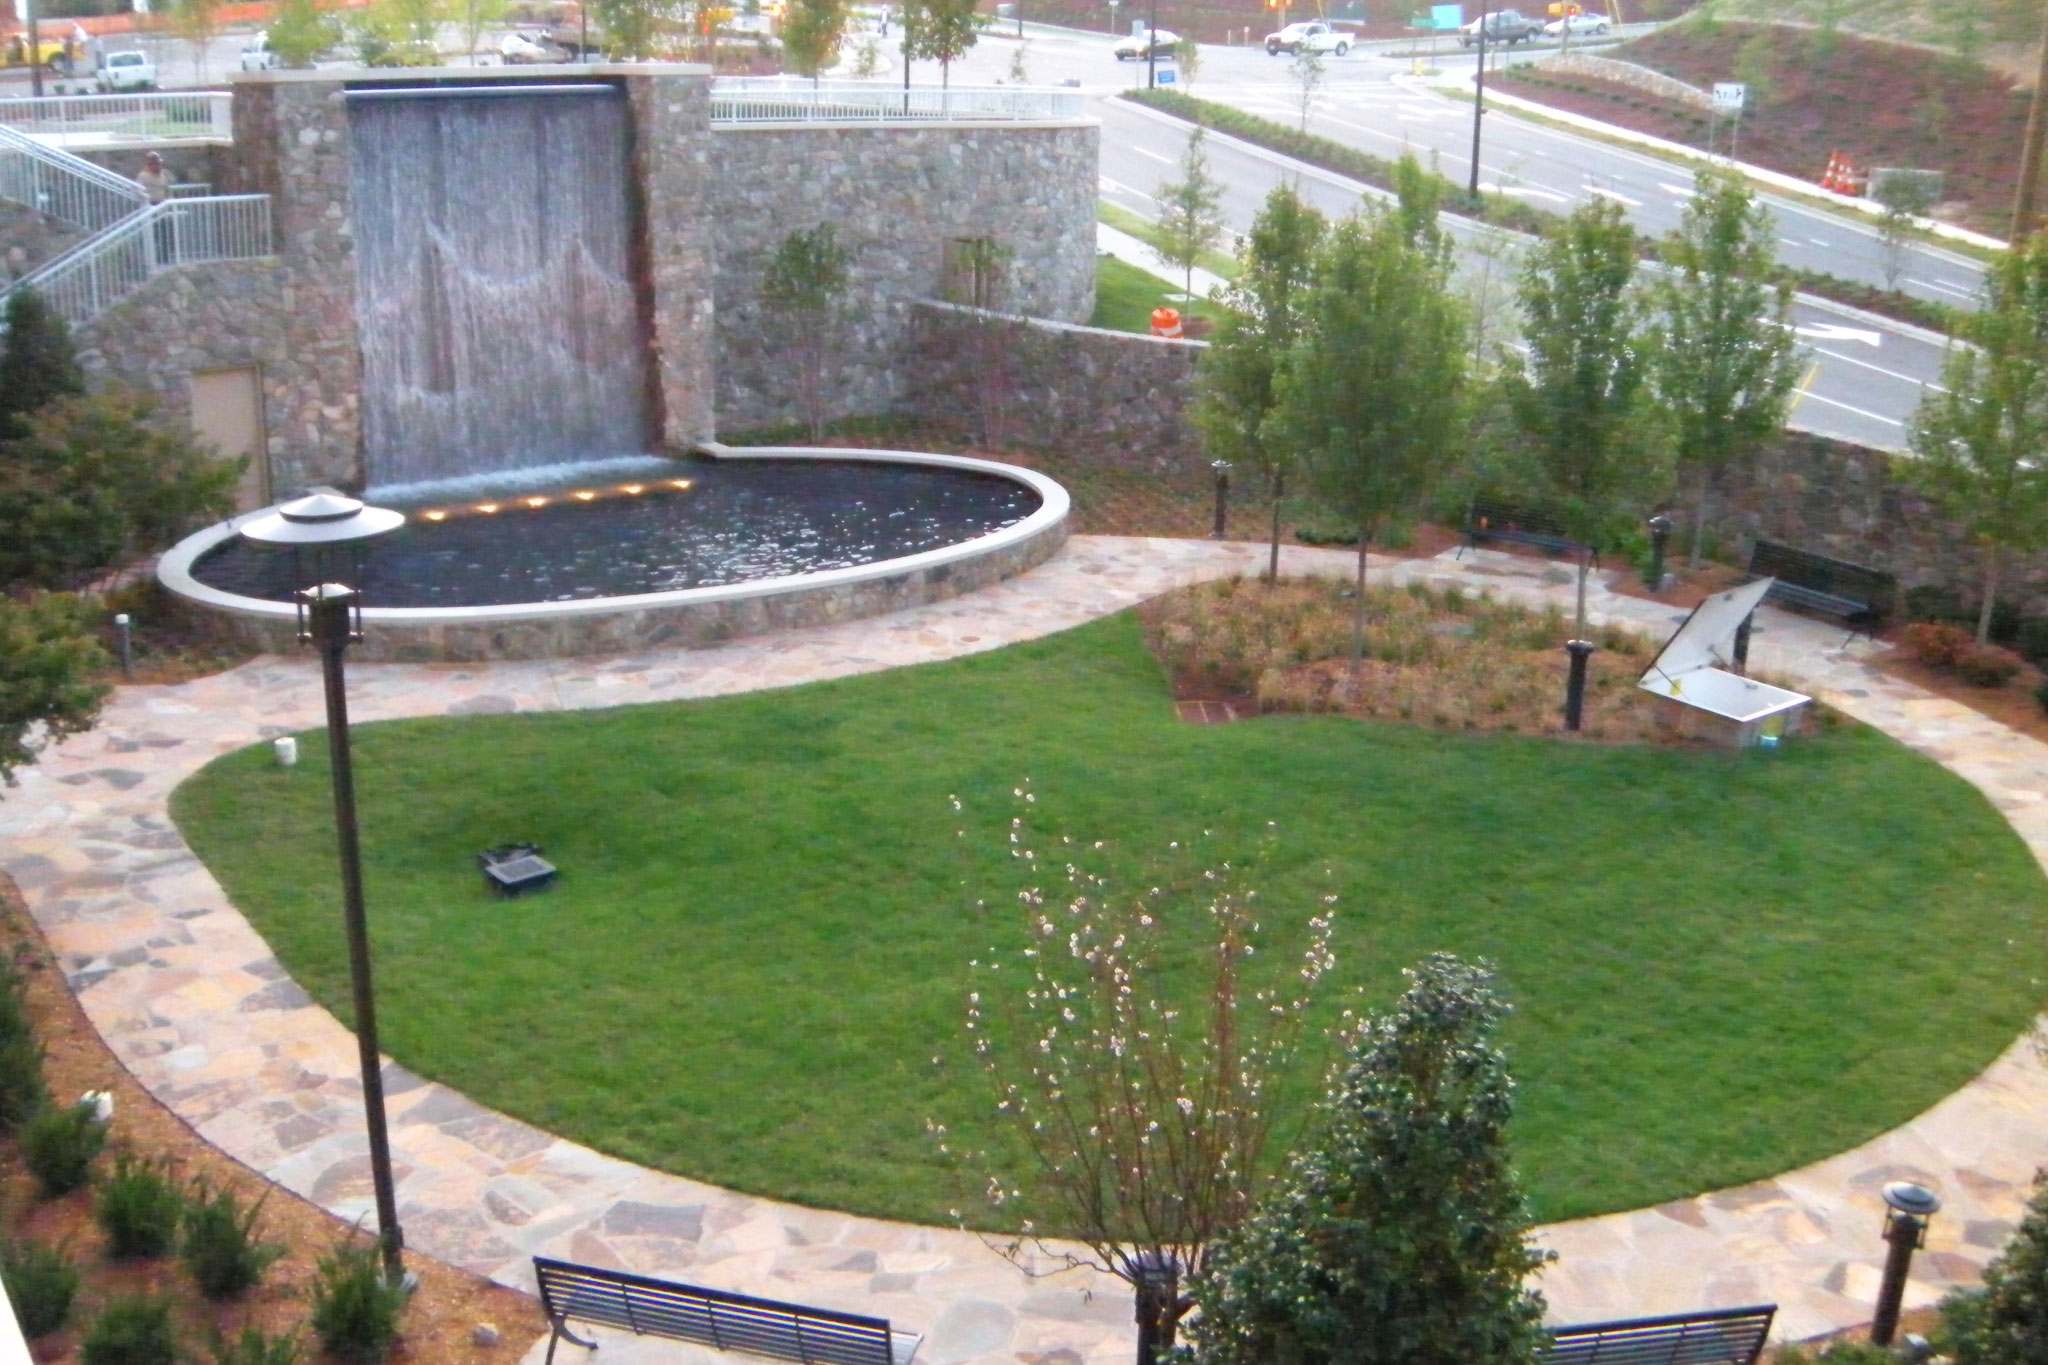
(1635, 77)
(1049, 384)
(219, 316)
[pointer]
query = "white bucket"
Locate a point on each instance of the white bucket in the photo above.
(287, 750)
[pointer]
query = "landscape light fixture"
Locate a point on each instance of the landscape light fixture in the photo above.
(326, 532)
(1660, 538)
(1156, 1278)
(1478, 103)
(1222, 468)
(1908, 1210)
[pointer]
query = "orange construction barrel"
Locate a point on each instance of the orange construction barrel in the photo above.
(1166, 322)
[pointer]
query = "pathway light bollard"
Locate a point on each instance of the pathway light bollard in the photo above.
(1908, 1209)
(1222, 468)
(1660, 537)
(1575, 682)
(1157, 1282)
(326, 532)
(1742, 633)
(124, 642)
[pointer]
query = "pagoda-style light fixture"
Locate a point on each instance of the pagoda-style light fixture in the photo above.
(1908, 1210)
(326, 532)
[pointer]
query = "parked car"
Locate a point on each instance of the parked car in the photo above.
(529, 47)
(1579, 25)
(129, 70)
(257, 56)
(1135, 48)
(1502, 26)
(1314, 36)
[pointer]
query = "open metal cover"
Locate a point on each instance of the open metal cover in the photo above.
(1707, 639)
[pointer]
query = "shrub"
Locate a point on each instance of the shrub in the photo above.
(2006, 1322)
(139, 1208)
(355, 1308)
(1936, 644)
(1843, 1352)
(22, 1092)
(252, 1347)
(134, 1331)
(2030, 640)
(1988, 666)
(2041, 693)
(41, 1283)
(58, 1146)
(220, 1248)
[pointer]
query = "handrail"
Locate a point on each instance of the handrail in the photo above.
(94, 275)
(779, 99)
(156, 116)
(62, 186)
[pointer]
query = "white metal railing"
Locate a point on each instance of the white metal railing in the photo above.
(95, 275)
(144, 116)
(65, 187)
(782, 99)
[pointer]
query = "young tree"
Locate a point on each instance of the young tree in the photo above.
(1020, 74)
(2006, 1322)
(1144, 1115)
(1400, 1237)
(196, 22)
(91, 484)
(1262, 319)
(416, 23)
(1372, 396)
(37, 361)
(811, 33)
(867, 58)
(47, 658)
(1187, 60)
(1190, 212)
(805, 287)
(983, 278)
(1982, 437)
(942, 31)
(299, 32)
(1906, 197)
(1306, 70)
(1579, 399)
(1726, 359)
(474, 16)
(631, 28)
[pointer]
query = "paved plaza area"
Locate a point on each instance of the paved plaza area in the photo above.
(196, 1006)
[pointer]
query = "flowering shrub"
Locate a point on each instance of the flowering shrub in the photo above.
(1936, 644)
(1987, 666)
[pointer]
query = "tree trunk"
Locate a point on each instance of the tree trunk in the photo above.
(1358, 608)
(1699, 519)
(1994, 560)
(1273, 563)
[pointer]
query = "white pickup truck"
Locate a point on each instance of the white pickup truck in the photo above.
(1313, 36)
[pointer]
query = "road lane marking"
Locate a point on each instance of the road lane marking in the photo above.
(1833, 331)
(1867, 365)
(1860, 412)
(1682, 191)
(1147, 151)
(1942, 285)
(1799, 391)
(1615, 195)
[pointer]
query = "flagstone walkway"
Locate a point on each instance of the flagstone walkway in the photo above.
(196, 1006)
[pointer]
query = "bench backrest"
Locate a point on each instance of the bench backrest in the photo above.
(710, 1317)
(1835, 577)
(1732, 1336)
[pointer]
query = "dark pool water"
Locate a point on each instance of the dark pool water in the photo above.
(734, 523)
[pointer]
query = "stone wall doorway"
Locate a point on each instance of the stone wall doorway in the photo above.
(227, 413)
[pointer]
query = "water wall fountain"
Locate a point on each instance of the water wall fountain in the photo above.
(496, 309)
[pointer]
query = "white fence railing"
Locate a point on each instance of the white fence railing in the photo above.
(93, 277)
(145, 116)
(779, 99)
(65, 187)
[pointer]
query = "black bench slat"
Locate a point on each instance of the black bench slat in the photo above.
(1491, 518)
(710, 1317)
(1856, 593)
(1733, 1336)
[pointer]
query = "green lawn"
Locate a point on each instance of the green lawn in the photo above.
(1125, 295)
(1725, 965)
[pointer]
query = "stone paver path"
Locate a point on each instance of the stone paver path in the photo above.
(196, 1006)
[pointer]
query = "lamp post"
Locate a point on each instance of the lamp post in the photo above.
(1660, 537)
(1152, 48)
(1222, 468)
(1478, 102)
(1908, 1208)
(326, 532)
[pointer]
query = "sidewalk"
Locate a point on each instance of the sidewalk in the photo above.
(193, 1002)
(1120, 244)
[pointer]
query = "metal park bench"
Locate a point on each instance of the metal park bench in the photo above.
(1858, 595)
(1729, 1336)
(1494, 519)
(712, 1317)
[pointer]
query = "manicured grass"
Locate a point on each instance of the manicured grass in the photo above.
(1125, 295)
(1725, 965)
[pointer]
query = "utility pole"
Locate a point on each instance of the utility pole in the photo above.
(35, 51)
(2030, 151)
(1152, 48)
(1478, 103)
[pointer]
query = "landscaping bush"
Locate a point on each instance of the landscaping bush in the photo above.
(2041, 693)
(2031, 640)
(220, 1248)
(252, 1347)
(1988, 666)
(2005, 1322)
(22, 1091)
(1847, 1351)
(139, 1208)
(41, 1283)
(355, 1308)
(58, 1146)
(133, 1331)
(1935, 644)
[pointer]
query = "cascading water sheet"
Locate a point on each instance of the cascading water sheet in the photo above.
(494, 289)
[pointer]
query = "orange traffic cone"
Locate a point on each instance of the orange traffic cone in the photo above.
(1166, 322)
(1831, 178)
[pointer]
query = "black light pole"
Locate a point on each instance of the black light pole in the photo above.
(1222, 468)
(31, 20)
(1478, 102)
(318, 527)
(1152, 48)
(1908, 1207)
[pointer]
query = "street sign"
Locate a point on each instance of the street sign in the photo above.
(1730, 95)
(1164, 76)
(1448, 17)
